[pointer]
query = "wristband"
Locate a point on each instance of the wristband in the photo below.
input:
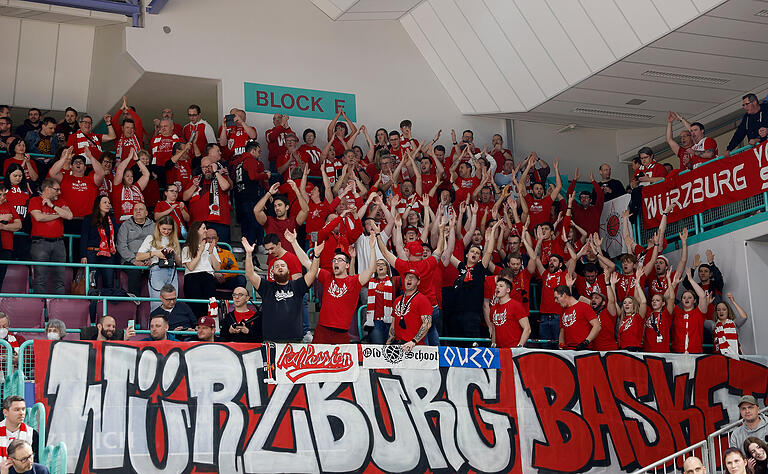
(414, 341)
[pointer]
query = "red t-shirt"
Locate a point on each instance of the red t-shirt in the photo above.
(236, 140)
(626, 286)
(657, 285)
(204, 206)
(500, 158)
(506, 319)
(705, 143)
(653, 170)
(687, 330)
(340, 297)
(339, 146)
(163, 206)
(466, 186)
(521, 285)
(51, 229)
(318, 211)
(631, 331)
(310, 154)
(294, 265)
(276, 141)
(181, 173)
(6, 236)
(284, 158)
(123, 200)
(200, 139)
(80, 141)
(426, 269)
(657, 326)
(18, 199)
(575, 325)
(162, 148)
(587, 289)
(489, 290)
(243, 316)
(686, 158)
(550, 281)
(411, 310)
(605, 340)
(538, 209)
(279, 226)
(81, 192)
(12, 160)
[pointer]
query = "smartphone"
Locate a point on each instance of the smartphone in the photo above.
(131, 324)
(230, 120)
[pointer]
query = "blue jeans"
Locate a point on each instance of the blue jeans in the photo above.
(549, 328)
(433, 338)
(380, 332)
(157, 278)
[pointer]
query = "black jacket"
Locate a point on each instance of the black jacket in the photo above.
(749, 126)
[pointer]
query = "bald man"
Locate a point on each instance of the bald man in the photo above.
(209, 194)
(693, 465)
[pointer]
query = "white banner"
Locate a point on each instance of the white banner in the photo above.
(394, 357)
(610, 225)
(305, 363)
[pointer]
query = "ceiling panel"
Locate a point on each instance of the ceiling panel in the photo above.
(727, 28)
(656, 89)
(620, 99)
(369, 16)
(741, 10)
(700, 61)
(582, 32)
(635, 70)
(675, 13)
(613, 26)
(704, 5)
(557, 111)
(645, 20)
(715, 46)
(384, 6)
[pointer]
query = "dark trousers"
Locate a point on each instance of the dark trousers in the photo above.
(467, 324)
(231, 283)
(107, 274)
(135, 278)
(43, 250)
(200, 285)
(549, 328)
(4, 255)
(250, 227)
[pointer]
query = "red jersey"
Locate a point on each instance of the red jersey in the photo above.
(687, 330)
(489, 290)
(80, 141)
(12, 160)
(498, 155)
(276, 141)
(538, 209)
(550, 281)
(653, 170)
(138, 127)
(279, 226)
(18, 198)
(340, 297)
(294, 265)
(686, 158)
(9, 214)
(318, 212)
(521, 284)
(657, 285)
(407, 312)
(123, 147)
(506, 318)
(50, 229)
(704, 144)
(201, 140)
(338, 145)
(310, 154)
(465, 187)
(426, 269)
(626, 286)
(81, 192)
(657, 326)
(236, 140)
(641, 253)
(631, 331)
(295, 162)
(123, 200)
(605, 340)
(575, 324)
(162, 148)
(210, 203)
(180, 173)
(587, 289)
(163, 206)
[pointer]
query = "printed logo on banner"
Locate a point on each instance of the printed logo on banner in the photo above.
(474, 357)
(394, 357)
(316, 363)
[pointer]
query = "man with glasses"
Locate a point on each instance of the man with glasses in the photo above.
(48, 212)
(13, 427)
(77, 188)
(85, 138)
(198, 131)
(753, 125)
(21, 460)
(179, 315)
(162, 142)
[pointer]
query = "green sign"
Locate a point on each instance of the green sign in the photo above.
(266, 99)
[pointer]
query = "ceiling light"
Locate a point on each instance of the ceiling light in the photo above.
(763, 13)
(684, 77)
(636, 101)
(612, 114)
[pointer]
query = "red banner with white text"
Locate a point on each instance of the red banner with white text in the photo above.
(176, 407)
(729, 179)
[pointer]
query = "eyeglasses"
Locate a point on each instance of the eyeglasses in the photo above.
(339, 259)
(192, 115)
(25, 459)
(86, 121)
(56, 189)
(167, 299)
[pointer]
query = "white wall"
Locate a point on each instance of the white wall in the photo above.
(292, 43)
(45, 65)
(742, 257)
(581, 147)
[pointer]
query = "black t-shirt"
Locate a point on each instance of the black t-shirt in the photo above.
(282, 307)
(469, 284)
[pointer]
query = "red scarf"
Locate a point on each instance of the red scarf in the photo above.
(106, 244)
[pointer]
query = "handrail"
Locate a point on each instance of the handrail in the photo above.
(711, 439)
(78, 331)
(672, 457)
(8, 368)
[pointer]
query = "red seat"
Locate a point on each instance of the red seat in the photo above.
(16, 279)
(122, 311)
(74, 313)
(180, 280)
(24, 312)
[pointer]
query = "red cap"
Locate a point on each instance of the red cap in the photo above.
(414, 248)
(309, 187)
(414, 272)
(206, 321)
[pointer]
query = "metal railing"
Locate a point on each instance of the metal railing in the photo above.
(675, 461)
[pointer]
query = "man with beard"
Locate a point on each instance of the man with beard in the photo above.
(682, 150)
(106, 330)
(162, 142)
(539, 205)
(412, 314)
(598, 300)
(508, 318)
(209, 197)
(704, 148)
(31, 123)
(282, 301)
(69, 125)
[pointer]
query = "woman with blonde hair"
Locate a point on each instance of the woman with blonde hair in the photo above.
(162, 247)
(726, 335)
(631, 314)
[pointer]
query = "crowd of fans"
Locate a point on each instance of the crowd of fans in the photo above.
(458, 240)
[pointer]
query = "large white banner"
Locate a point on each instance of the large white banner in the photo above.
(304, 363)
(394, 357)
(610, 225)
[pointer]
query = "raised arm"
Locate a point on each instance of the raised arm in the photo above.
(258, 209)
(673, 145)
(611, 280)
(250, 273)
(703, 303)
(368, 272)
(558, 181)
(314, 269)
(123, 166)
(290, 236)
(684, 253)
(739, 310)
(144, 180)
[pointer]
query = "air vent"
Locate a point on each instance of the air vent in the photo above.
(612, 114)
(636, 101)
(762, 13)
(684, 77)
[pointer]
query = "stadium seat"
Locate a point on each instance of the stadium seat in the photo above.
(122, 312)
(142, 315)
(24, 312)
(74, 313)
(16, 279)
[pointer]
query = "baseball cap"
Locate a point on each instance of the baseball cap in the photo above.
(747, 399)
(666, 260)
(309, 187)
(206, 321)
(414, 272)
(414, 248)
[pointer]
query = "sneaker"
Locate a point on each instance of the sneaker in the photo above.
(307, 337)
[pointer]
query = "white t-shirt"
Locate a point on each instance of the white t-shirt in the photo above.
(146, 246)
(204, 265)
(363, 249)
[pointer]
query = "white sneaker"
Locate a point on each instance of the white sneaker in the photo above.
(307, 337)
(261, 250)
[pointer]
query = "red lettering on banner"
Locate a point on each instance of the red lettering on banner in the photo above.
(272, 101)
(283, 100)
(711, 375)
(339, 104)
(316, 104)
(298, 102)
(261, 98)
(729, 179)
(306, 361)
